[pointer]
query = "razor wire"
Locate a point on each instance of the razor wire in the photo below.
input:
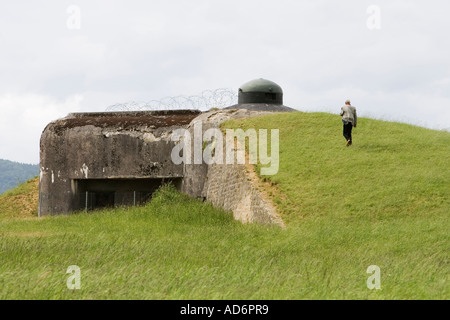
(208, 99)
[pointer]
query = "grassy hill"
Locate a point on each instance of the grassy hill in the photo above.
(391, 170)
(20, 202)
(13, 173)
(383, 201)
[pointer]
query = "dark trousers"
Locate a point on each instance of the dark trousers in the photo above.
(348, 131)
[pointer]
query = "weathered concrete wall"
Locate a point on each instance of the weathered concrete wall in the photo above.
(195, 174)
(118, 145)
(232, 187)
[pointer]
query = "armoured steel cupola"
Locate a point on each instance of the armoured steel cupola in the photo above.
(260, 91)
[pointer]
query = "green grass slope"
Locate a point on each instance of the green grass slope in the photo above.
(20, 202)
(391, 170)
(383, 201)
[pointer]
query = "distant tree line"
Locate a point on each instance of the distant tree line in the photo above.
(14, 173)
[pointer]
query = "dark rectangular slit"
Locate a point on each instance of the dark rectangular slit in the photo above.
(92, 194)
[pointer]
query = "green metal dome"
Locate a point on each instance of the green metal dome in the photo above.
(260, 91)
(261, 95)
(261, 85)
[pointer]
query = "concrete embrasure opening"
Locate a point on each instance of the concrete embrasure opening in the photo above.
(92, 194)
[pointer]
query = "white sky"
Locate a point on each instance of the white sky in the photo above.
(320, 52)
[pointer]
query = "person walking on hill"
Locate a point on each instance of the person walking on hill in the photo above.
(349, 119)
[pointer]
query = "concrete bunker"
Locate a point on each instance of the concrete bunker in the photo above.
(105, 159)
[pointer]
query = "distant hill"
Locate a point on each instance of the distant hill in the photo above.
(14, 173)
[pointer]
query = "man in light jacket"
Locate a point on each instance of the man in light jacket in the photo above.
(349, 119)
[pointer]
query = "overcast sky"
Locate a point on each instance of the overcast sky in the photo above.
(391, 58)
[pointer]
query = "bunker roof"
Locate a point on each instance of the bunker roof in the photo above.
(126, 119)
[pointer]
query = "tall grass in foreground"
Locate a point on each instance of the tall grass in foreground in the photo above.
(382, 202)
